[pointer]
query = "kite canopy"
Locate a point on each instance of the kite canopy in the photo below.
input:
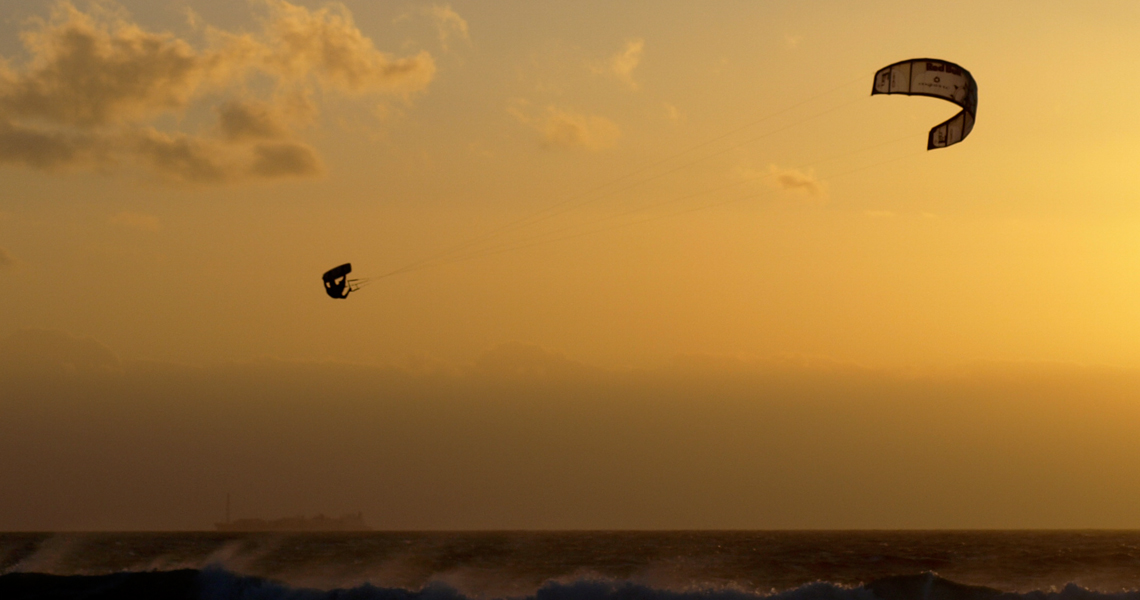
(938, 79)
(337, 283)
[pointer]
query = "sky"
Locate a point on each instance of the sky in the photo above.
(630, 265)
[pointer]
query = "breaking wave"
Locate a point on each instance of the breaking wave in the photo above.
(216, 583)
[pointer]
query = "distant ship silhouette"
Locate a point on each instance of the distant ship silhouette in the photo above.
(318, 523)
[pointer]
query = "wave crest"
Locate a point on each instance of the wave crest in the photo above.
(217, 583)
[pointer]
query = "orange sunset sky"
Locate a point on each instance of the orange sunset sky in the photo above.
(672, 265)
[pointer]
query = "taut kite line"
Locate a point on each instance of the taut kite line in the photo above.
(915, 77)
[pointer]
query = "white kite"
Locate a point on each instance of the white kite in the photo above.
(938, 79)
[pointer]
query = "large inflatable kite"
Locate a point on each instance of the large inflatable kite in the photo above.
(938, 79)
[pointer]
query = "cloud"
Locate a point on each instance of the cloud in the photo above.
(671, 112)
(327, 45)
(622, 64)
(251, 120)
(792, 41)
(795, 180)
(880, 214)
(448, 23)
(188, 159)
(47, 150)
(7, 262)
(86, 73)
(565, 129)
(183, 158)
(285, 159)
(94, 82)
(136, 221)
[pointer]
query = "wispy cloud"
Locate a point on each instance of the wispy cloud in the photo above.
(7, 263)
(794, 180)
(95, 82)
(448, 24)
(562, 128)
(622, 64)
(326, 46)
(671, 112)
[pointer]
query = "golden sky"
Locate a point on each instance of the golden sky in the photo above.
(630, 186)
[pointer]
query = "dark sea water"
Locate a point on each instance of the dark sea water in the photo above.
(736, 565)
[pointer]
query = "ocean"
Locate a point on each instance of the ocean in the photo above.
(696, 565)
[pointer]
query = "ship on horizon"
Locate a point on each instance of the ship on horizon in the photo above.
(349, 522)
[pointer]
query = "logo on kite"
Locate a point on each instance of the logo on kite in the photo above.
(337, 283)
(937, 79)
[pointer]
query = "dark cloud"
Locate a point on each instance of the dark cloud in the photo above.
(250, 120)
(93, 82)
(183, 157)
(285, 159)
(47, 149)
(526, 438)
